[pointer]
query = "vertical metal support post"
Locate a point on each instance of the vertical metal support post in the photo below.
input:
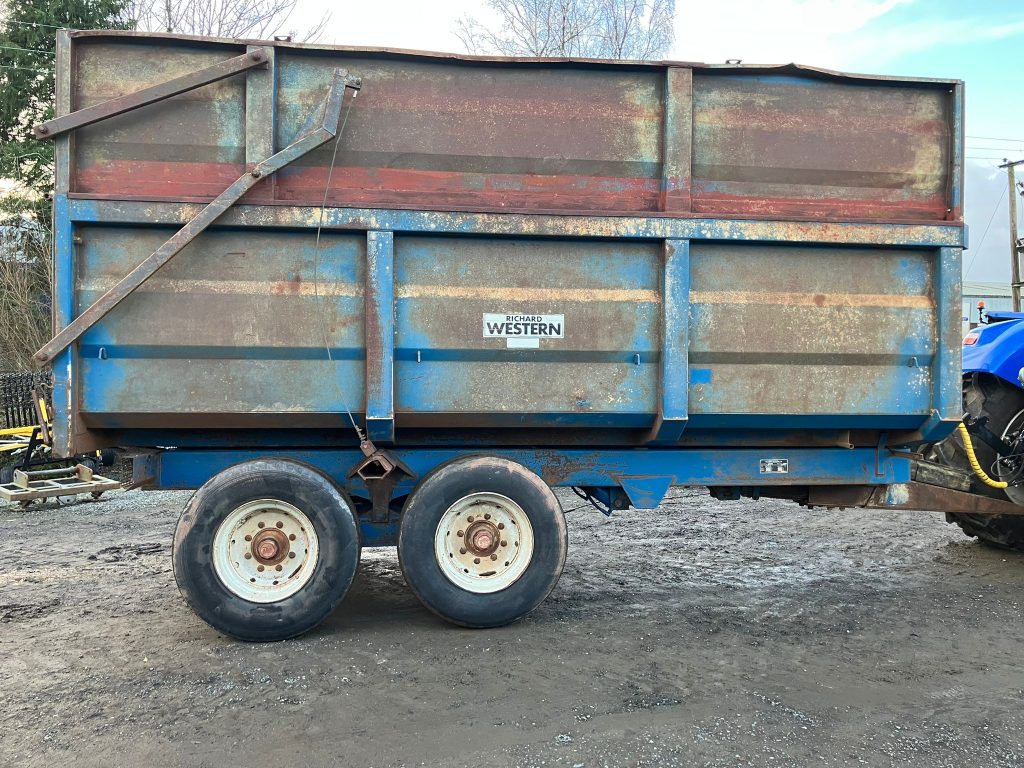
(955, 198)
(673, 405)
(380, 336)
(677, 141)
(65, 365)
(261, 118)
(946, 369)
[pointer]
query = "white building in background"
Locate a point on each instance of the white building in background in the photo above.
(997, 296)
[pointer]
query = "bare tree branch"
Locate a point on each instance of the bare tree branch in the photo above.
(615, 29)
(222, 18)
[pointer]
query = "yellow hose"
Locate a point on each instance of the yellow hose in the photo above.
(969, 447)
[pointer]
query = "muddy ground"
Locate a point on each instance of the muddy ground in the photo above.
(703, 633)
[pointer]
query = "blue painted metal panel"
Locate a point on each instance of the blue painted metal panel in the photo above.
(238, 323)
(806, 330)
(947, 406)
(600, 368)
(577, 467)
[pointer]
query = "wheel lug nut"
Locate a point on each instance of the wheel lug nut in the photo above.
(494, 557)
(278, 567)
(291, 537)
(259, 568)
(470, 518)
(462, 550)
(280, 524)
(501, 526)
(504, 543)
(487, 516)
(476, 560)
(248, 556)
(248, 537)
(460, 533)
(291, 554)
(260, 524)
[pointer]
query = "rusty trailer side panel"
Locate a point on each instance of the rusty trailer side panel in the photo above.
(690, 254)
(525, 136)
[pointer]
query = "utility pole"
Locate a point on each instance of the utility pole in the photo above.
(1016, 248)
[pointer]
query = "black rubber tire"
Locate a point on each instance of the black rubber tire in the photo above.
(333, 517)
(988, 396)
(427, 505)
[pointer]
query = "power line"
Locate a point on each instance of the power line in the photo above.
(33, 24)
(25, 50)
(996, 138)
(990, 220)
(31, 69)
(993, 149)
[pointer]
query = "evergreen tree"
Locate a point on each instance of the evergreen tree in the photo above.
(27, 44)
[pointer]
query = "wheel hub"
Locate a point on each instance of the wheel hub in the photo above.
(270, 547)
(482, 538)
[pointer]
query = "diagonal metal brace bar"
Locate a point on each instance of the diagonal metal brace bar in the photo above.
(343, 90)
(113, 107)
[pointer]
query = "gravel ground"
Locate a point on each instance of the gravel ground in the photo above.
(702, 633)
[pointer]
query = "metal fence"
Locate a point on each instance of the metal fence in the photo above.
(16, 408)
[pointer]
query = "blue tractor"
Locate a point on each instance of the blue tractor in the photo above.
(993, 387)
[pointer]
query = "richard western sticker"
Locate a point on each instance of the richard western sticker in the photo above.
(523, 331)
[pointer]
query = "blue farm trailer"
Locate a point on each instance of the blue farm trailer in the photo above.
(378, 297)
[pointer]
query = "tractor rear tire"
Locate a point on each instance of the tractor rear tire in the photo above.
(1001, 402)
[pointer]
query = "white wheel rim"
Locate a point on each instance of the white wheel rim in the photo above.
(265, 551)
(484, 543)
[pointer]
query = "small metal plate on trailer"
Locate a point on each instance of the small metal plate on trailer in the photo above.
(774, 466)
(523, 331)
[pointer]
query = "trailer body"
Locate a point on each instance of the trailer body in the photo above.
(360, 297)
(628, 275)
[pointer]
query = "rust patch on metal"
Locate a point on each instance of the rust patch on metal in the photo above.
(513, 293)
(894, 300)
(295, 286)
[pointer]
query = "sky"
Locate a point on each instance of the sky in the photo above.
(978, 41)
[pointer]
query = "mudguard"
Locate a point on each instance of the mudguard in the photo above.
(997, 348)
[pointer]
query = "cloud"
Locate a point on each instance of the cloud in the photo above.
(856, 35)
(885, 44)
(815, 32)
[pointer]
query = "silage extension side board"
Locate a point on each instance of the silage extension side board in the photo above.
(743, 263)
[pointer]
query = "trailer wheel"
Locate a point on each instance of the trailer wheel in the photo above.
(482, 541)
(1003, 405)
(266, 549)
